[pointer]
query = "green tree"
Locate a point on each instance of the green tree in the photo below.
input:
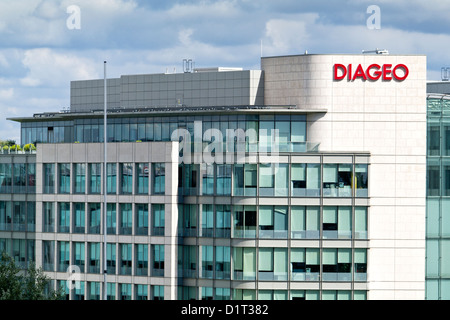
(30, 284)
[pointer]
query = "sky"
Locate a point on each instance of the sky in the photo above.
(45, 44)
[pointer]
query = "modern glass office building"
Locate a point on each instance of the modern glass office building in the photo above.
(281, 183)
(438, 184)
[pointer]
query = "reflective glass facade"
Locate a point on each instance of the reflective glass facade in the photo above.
(291, 129)
(438, 198)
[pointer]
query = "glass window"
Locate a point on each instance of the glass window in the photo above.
(305, 264)
(111, 218)
(251, 136)
(49, 217)
(298, 264)
(141, 219)
(78, 293)
(31, 177)
(48, 255)
(189, 179)
(244, 267)
(223, 179)
(141, 292)
(63, 256)
(79, 255)
(158, 220)
(158, 260)
(19, 181)
(19, 253)
(207, 220)
(142, 178)
(6, 178)
(94, 218)
(79, 177)
(245, 180)
(313, 180)
(283, 130)
(337, 222)
(111, 258)
(94, 290)
(188, 223)
(433, 139)
(126, 177)
(360, 266)
(281, 176)
(19, 216)
(337, 180)
(207, 293)
(141, 259)
(223, 221)
(31, 216)
(272, 264)
(141, 132)
(273, 222)
(149, 131)
(111, 178)
(266, 136)
(433, 177)
(159, 177)
(266, 179)
(361, 223)
(244, 294)
(187, 261)
(361, 181)
(337, 264)
(305, 222)
(125, 258)
(298, 135)
(79, 218)
(222, 263)
(111, 291)
(95, 181)
(207, 172)
(64, 177)
(64, 217)
(6, 216)
(244, 221)
(298, 179)
(133, 131)
(207, 262)
(157, 292)
(94, 257)
(125, 291)
(305, 180)
(49, 177)
(126, 216)
(265, 264)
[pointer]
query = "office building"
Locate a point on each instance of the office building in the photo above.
(305, 179)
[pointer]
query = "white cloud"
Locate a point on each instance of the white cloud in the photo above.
(184, 36)
(6, 94)
(287, 35)
(49, 68)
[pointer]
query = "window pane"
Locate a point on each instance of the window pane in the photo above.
(142, 175)
(79, 177)
(95, 170)
(126, 176)
(111, 178)
(159, 178)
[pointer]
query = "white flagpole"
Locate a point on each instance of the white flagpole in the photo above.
(105, 138)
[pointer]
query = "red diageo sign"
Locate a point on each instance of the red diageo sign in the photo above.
(373, 72)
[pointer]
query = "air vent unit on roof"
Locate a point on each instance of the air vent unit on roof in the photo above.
(445, 73)
(377, 51)
(188, 66)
